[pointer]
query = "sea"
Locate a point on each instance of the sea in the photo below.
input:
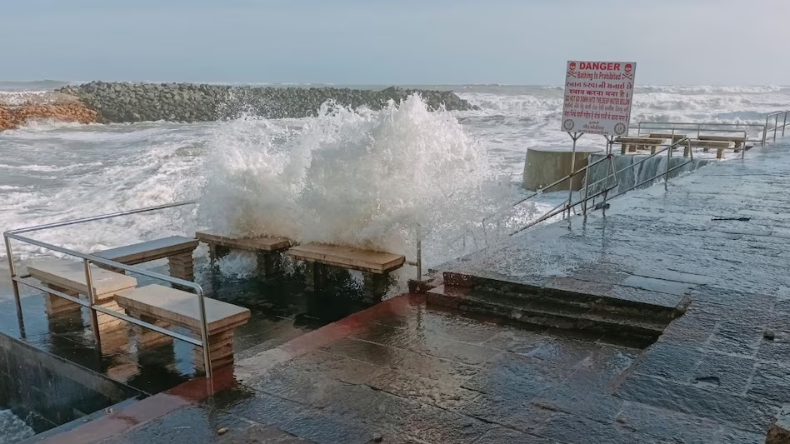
(378, 179)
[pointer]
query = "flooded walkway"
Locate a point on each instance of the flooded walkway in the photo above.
(406, 371)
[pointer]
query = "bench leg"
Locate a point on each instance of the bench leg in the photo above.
(216, 252)
(58, 307)
(652, 149)
(114, 332)
(182, 266)
(220, 349)
(375, 286)
(719, 153)
(705, 150)
(268, 264)
(148, 339)
(686, 151)
(623, 148)
(315, 276)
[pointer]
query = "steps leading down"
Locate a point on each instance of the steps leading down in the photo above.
(583, 309)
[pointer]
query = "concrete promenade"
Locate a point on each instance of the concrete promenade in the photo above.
(405, 371)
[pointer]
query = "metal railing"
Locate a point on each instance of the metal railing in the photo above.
(700, 128)
(586, 196)
(89, 259)
(776, 127)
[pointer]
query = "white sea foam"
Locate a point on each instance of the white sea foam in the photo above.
(358, 178)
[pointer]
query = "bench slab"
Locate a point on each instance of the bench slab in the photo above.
(149, 251)
(348, 257)
(710, 144)
(640, 140)
(736, 139)
(181, 308)
(71, 276)
(263, 243)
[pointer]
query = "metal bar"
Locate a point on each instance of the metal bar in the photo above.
(573, 168)
(553, 184)
(73, 299)
(12, 270)
(551, 213)
(100, 217)
(784, 125)
(204, 335)
(669, 159)
(419, 259)
(92, 299)
(776, 126)
(101, 260)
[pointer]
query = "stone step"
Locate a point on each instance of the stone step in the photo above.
(548, 298)
(566, 318)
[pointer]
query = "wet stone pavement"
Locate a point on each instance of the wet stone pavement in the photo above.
(406, 371)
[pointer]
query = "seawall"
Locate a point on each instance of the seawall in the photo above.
(116, 102)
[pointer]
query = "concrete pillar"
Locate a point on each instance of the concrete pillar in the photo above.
(547, 165)
(269, 264)
(182, 266)
(375, 286)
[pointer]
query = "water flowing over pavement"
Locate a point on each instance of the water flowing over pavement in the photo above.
(405, 371)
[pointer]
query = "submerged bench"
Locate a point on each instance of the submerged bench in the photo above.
(739, 141)
(165, 306)
(376, 266)
(268, 248)
(674, 137)
(177, 249)
(69, 277)
(708, 144)
(631, 144)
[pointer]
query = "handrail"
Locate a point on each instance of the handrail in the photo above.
(776, 124)
(88, 259)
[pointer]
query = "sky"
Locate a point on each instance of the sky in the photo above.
(344, 42)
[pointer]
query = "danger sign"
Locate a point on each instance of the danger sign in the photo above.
(598, 97)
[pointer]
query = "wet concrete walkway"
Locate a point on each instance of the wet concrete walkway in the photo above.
(404, 371)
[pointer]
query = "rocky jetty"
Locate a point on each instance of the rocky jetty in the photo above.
(187, 102)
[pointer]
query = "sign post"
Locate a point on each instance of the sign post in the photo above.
(598, 97)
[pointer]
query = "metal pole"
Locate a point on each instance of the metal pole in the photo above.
(419, 251)
(574, 137)
(92, 300)
(784, 124)
(15, 285)
(765, 130)
(776, 126)
(204, 335)
(669, 160)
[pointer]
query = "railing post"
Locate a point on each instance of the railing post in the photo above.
(204, 335)
(776, 126)
(92, 300)
(15, 285)
(765, 130)
(784, 125)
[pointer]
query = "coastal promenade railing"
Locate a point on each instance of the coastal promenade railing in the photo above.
(775, 117)
(89, 259)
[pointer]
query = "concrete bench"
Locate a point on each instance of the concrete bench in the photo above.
(739, 141)
(669, 136)
(165, 307)
(708, 144)
(177, 249)
(376, 266)
(268, 248)
(631, 144)
(69, 277)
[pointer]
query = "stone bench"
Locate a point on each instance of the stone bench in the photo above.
(177, 249)
(69, 277)
(708, 144)
(739, 141)
(165, 307)
(631, 144)
(376, 266)
(268, 248)
(674, 137)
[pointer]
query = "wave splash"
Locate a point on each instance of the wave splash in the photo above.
(359, 178)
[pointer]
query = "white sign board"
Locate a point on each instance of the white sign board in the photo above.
(598, 97)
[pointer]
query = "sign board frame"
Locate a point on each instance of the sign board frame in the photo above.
(598, 97)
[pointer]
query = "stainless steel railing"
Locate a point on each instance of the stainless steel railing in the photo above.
(701, 127)
(87, 260)
(776, 127)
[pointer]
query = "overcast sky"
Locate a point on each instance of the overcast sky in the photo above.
(720, 42)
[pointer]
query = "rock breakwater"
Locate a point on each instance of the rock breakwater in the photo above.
(116, 102)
